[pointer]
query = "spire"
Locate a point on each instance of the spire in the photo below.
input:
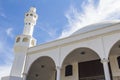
(30, 21)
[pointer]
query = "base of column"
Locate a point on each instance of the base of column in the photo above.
(11, 78)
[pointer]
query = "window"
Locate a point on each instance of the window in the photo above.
(34, 16)
(31, 14)
(32, 42)
(27, 14)
(68, 70)
(18, 39)
(118, 60)
(25, 39)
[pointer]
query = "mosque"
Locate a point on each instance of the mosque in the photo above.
(91, 53)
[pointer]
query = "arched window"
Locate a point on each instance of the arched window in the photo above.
(34, 16)
(25, 39)
(27, 14)
(29, 23)
(18, 39)
(31, 14)
(32, 42)
(118, 60)
(68, 70)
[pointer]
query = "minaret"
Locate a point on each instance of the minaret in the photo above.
(23, 42)
(26, 38)
(30, 21)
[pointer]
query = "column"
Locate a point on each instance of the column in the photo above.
(106, 69)
(58, 69)
(24, 76)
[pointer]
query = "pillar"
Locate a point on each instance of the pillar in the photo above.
(24, 76)
(58, 69)
(106, 69)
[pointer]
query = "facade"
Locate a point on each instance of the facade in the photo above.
(91, 53)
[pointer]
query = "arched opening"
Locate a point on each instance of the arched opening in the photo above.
(25, 39)
(18, 40)
(42, 69)
(114, 58)
(86, 65)
(68, 70)
(32, 43)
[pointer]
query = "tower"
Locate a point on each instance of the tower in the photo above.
(23, 42)
(30, 21)
(26, 39)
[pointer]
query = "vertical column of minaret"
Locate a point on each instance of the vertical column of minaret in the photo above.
(23, 42)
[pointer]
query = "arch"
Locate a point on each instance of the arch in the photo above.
(82, 52)
(31, 14)
(35, 56)
(67, 50)
(35, 16)
(27, 14)
(42, 68)
(18, 39)
(42, 57)
(116, 45)
(32, 42)
(25, 39)
(86, 63)
(114, 59)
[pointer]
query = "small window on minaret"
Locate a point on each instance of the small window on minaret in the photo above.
(31, 14)
(32, 42)
(25, 39)
(34, 16)
(27, 14)
(18, 39)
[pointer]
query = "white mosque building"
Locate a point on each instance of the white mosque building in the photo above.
(91, 53)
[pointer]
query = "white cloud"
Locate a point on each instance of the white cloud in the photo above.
(9, 32)
(6, 52)
(4, 70)
(105, 10)
(49, 30)
(6, 57)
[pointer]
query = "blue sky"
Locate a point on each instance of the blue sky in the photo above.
(57, 19)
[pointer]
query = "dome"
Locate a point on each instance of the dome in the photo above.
(96, 26)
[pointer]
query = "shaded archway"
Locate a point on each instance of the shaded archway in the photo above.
(42, 69)
(86, 65)
(114, 58)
